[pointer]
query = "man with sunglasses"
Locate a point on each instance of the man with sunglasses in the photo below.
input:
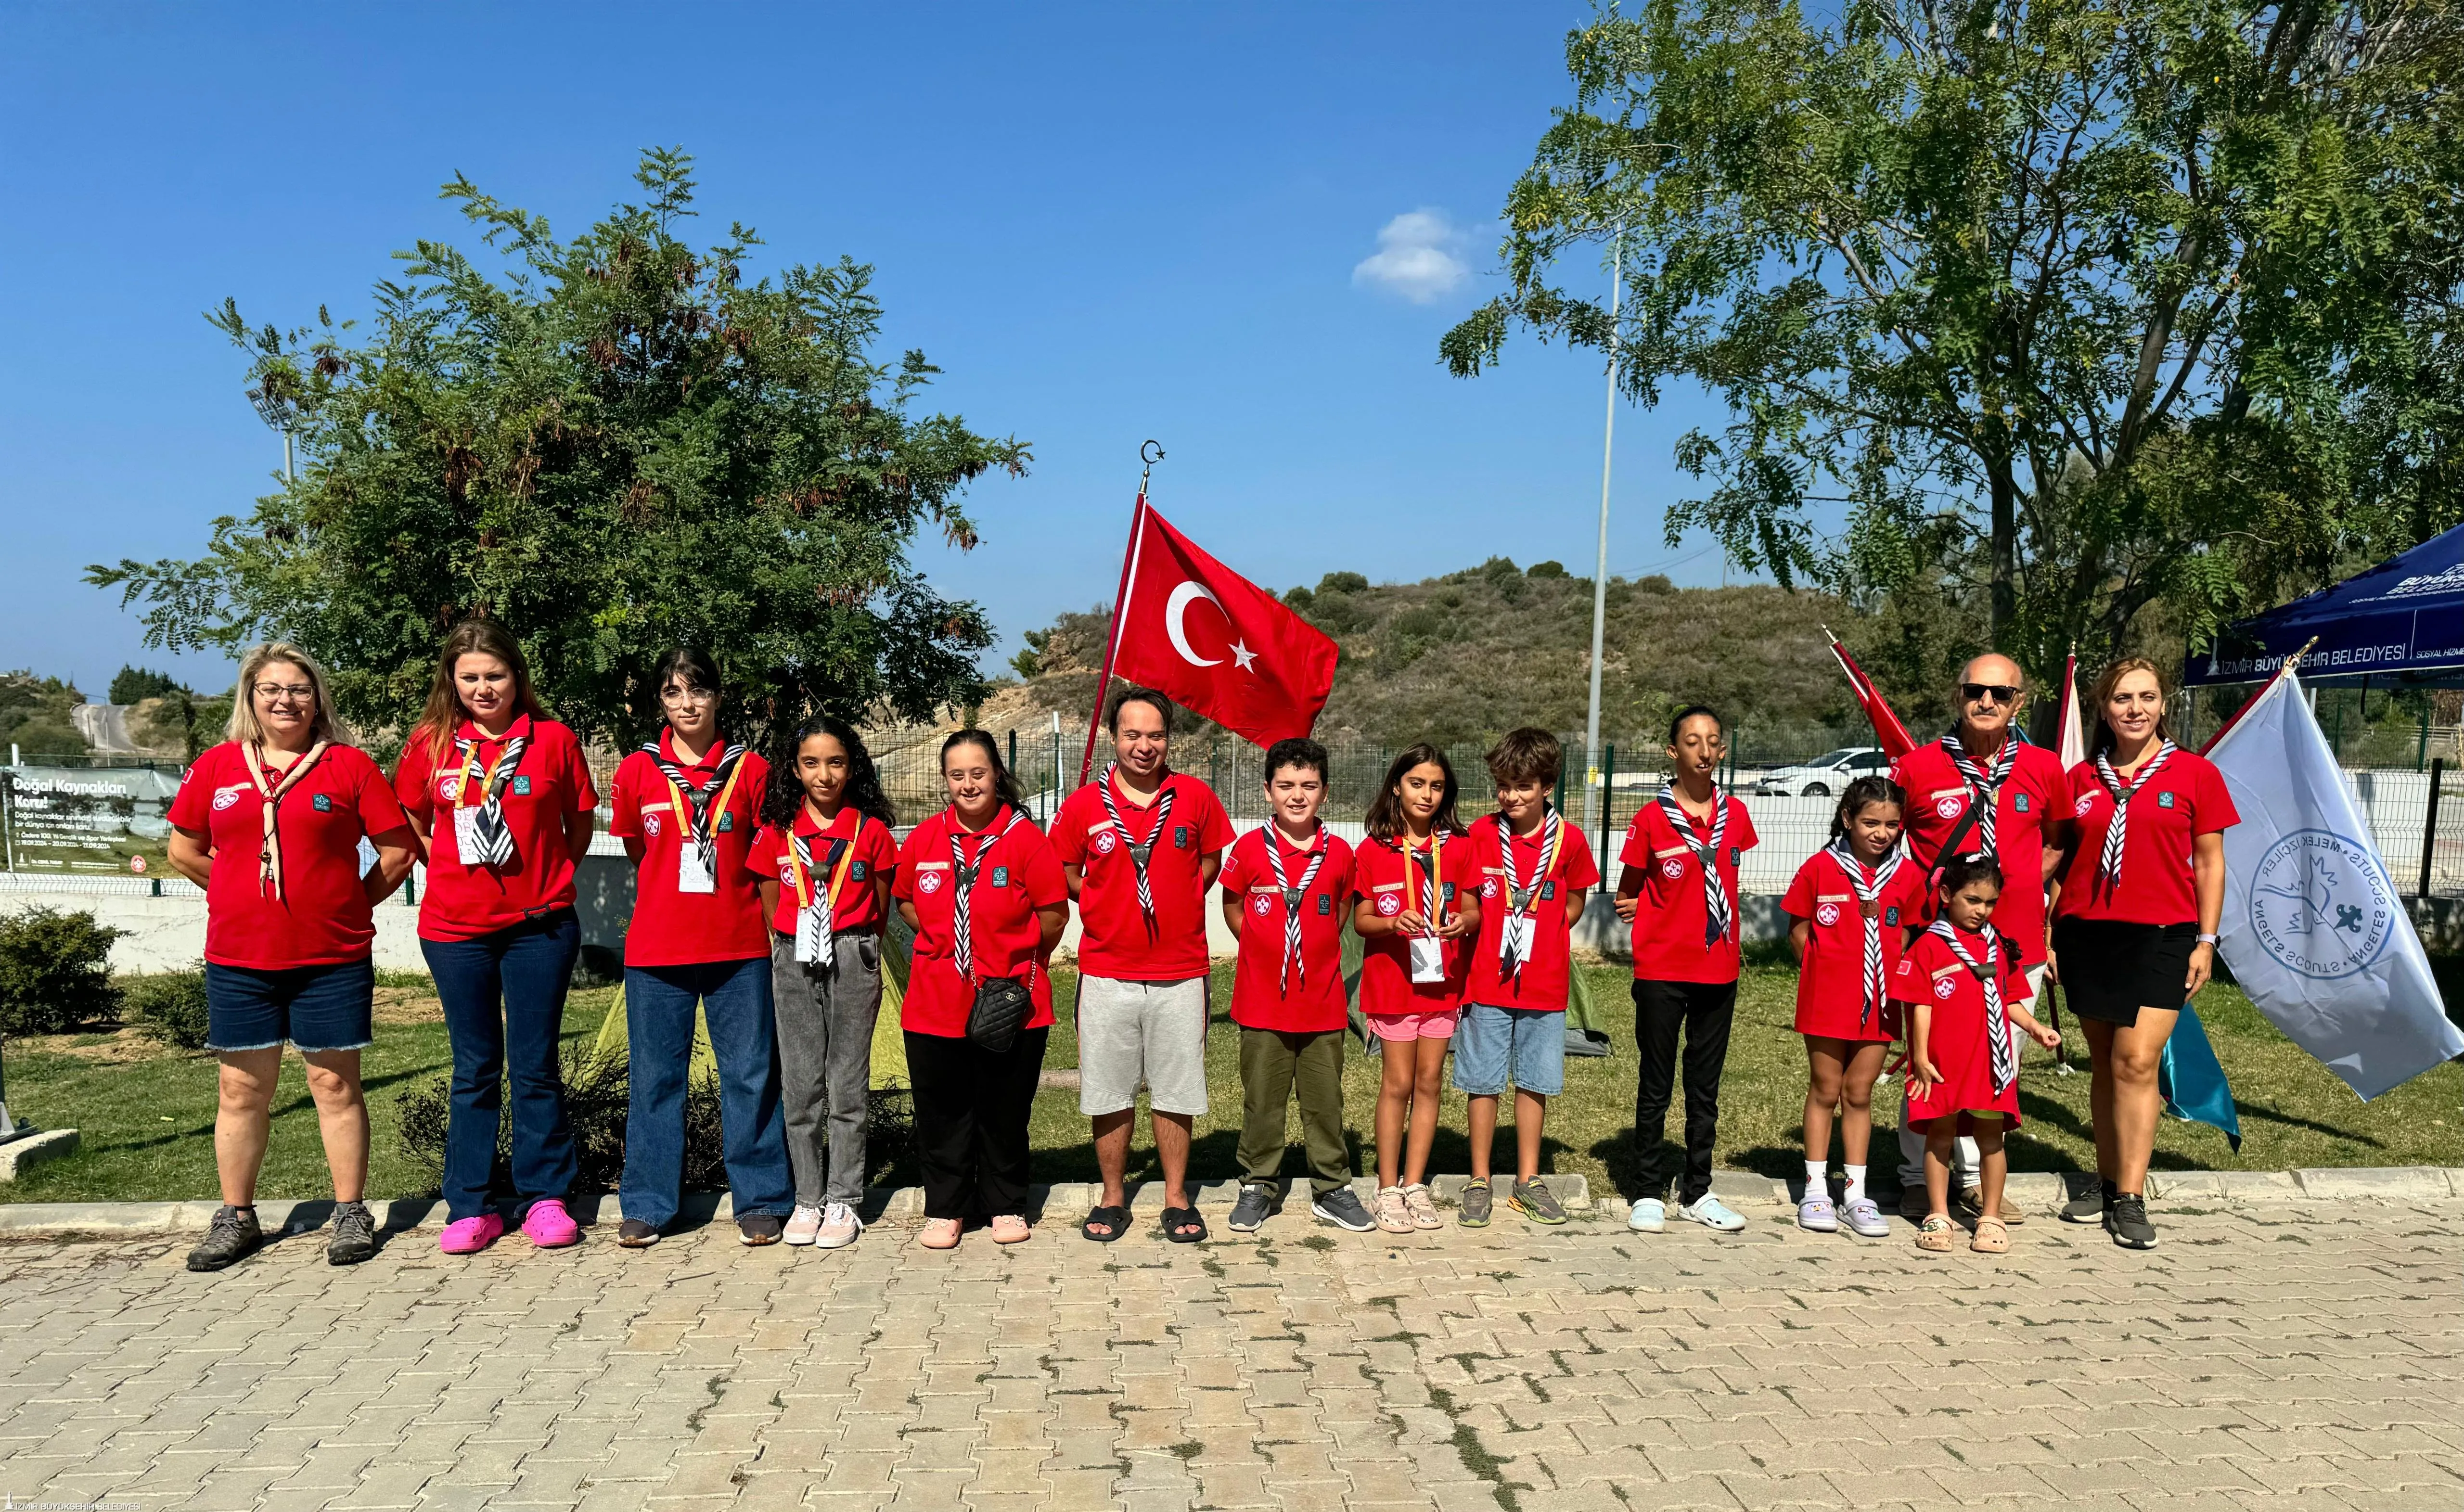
(1983, 788)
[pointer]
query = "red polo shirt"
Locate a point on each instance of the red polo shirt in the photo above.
(1392, 885)
(1113, 938)
(1316, 1000)
(323, 917)
(2033, 794)
(1545, 977)
(681, 929)
(1671, 914)
(2185, 800)
(463, 902)
(1830, 980)
(1016, 874)
(876, 856)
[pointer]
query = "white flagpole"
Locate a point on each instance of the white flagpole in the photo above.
(1592, 795)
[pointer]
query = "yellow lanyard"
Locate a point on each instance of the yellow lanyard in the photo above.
(462, 789)
(838, 874)
(1437, 877)
(684, 818)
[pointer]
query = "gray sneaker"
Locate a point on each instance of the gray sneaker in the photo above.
(1340, 1208)
(1477, 1200)
(230, 1237)
(2127, 1223)
(1535, 1201)
(1257, 1204)
(2091, 1208)
(354, 1234)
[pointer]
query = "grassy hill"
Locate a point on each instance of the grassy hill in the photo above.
(1466, 655)
(34, 715)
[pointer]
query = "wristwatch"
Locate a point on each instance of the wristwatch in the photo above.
(2207, 940)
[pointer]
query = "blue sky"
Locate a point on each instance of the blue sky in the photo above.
(1104, 223)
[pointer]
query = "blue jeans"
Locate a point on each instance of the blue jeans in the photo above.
(735, 996)
(504, 1008)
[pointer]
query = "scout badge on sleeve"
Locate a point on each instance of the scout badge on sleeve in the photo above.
(1868, 884)
(2108, 863)
(1514, 935)
(1140, 850)
(481, 837)
(1427, 869)
(269, 855)
(1997, 1020)
(696, 814)
(1292, 896)
(1716, 910)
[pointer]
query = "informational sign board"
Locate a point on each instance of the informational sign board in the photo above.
(72, 821)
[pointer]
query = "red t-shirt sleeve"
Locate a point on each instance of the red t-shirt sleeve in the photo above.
(1582, 873)
(192, 809)
(1798, 901)
(874, 848)
(2014, 976)
(1234, 879)
(1213, 827)
(2212, 804)
(586, 789)
(380, 811)
(1070, 830)
(1908, 983)
(1041, 874)
(760, 852)
(627, 820)
(1741, 827)
(411, 781)
(903, 885)
(1636, 849)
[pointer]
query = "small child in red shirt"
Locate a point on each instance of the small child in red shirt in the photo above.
(1852, 902)
(1963, 986)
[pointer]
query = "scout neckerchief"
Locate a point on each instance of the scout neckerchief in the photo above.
(1141, 850)
(1717, 912)
(1292, 896)
(1983, 788)
(694, 808)
(1515, 934)
(1988, 975)
(2109, 864)
(962, 878)
(817, 916)
(269, 855)
(1425, 865)
(1868, 884)
(492, 839)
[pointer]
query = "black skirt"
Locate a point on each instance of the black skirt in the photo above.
(2112, 967)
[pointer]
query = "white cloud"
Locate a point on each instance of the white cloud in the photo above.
(1416, 258)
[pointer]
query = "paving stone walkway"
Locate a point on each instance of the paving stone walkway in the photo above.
(2306, 1357)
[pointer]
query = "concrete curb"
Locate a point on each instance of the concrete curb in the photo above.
(31, 1147)
(2034, 1191)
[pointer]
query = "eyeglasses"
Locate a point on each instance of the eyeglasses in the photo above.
(1978, 693)
(686, 695)
(298, 691)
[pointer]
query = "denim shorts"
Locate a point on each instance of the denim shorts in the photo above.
(1498, 1047)
(314, 1007)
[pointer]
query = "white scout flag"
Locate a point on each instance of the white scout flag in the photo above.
(2313, 927)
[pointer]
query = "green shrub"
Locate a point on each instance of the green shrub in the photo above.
(54, 971)
(169, 1007)
(595, 1093)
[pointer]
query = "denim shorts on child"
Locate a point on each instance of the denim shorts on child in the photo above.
(1521, 1047)
(314, 1007)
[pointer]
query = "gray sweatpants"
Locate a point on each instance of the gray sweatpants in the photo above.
(825, 1062)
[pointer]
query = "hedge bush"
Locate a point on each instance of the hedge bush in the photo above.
(55, 972)
(169, 1007)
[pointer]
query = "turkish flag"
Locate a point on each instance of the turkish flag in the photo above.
(1212, 641)
(1888, 733)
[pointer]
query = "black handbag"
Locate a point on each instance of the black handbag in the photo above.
(1002, 1008)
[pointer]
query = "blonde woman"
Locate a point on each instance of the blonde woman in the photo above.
(269, 822)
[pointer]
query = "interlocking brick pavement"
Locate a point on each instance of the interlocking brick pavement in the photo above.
(2306, 1357)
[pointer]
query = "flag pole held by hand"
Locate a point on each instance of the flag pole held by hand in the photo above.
(1120, 605)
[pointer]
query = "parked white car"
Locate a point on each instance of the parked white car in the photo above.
(1825, 775)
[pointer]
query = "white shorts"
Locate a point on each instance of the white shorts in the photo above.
(1133, 1032)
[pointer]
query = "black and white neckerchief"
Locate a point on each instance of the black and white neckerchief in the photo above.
(1515, 935)
(1292, 895)
(1719, 914)
(1140, 851)
(962, 879)
(1984, 787)
(492, 839)
(1869, 883)
(2005, 1058)
(2108, 863)
(696, 808)
(817, 908)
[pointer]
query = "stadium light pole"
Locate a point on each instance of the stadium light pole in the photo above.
(1600, 572)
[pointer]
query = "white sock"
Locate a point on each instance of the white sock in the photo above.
(1817, 1178)
(1855, 1184)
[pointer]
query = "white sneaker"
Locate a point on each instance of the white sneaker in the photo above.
(839, 1227)
(1649, 1216)
(802, 1224)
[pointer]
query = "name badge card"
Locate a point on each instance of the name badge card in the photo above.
(465, 835)
(1514, 938)
(1428, 959)
(691, 875)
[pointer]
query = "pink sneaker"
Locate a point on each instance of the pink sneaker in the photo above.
(470, 1235)
(549, 1226)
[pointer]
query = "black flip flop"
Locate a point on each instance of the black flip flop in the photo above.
(1175, 1219)
(1117, 1219)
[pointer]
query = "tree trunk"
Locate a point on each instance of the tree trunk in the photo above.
(2006, 553)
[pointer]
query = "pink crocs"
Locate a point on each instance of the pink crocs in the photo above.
(470, 1235)
(549, 1226)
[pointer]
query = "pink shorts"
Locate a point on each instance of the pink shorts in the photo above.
(1438, 1024)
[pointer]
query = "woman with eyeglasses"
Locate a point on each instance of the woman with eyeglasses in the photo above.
(2135, 916)
(270, 824)
(687, 805)
(504, 803)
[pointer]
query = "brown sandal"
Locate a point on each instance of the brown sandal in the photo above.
(1993, 1238)
(1934, 1234)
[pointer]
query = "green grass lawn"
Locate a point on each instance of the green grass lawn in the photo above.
(145, 1115)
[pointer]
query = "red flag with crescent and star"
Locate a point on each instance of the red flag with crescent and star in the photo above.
(1213, 642)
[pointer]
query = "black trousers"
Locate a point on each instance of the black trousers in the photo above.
(1702, 1011)
(971, 1108)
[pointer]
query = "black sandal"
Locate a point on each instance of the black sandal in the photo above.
(1117, 1219)
(1175, 1219)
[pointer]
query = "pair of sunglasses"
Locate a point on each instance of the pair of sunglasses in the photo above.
(1973, 692)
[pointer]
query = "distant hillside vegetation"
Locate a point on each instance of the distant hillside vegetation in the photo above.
(1465, 656)
(34, 715)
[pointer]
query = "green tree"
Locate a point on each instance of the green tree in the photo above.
(611, 445)
(134, 684)
(2073, 308)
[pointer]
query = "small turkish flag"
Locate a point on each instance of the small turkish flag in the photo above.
(1213, 642)
(1888, 733)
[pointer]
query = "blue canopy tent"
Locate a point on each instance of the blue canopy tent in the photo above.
(2401, 623)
